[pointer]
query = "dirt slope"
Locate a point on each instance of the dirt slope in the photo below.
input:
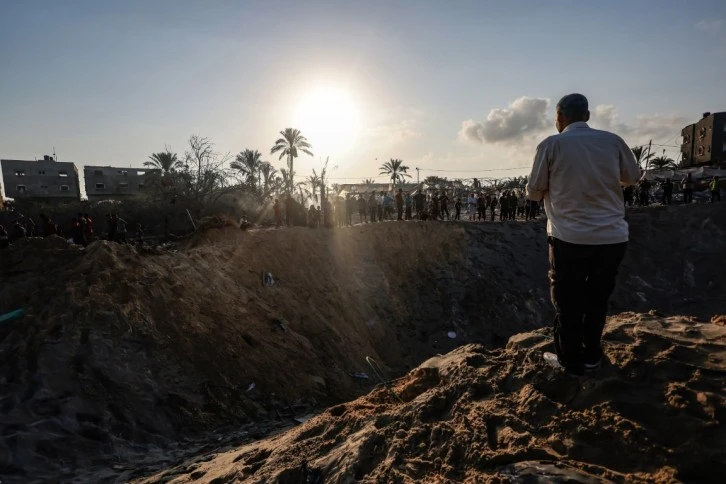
(123, 354)
(655, 413)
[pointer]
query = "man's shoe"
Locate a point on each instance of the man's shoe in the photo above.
(593, 366)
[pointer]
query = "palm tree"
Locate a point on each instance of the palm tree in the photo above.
(396, 170)
(289, 145)
(663, 161)
(368, 181)
(267, 176)
(166, 161)
(248, 163)
(314, 182)
(640, 155)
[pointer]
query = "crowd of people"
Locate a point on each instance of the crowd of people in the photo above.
(642, 194)
(379, 206)
(439, 205)
(81, 230)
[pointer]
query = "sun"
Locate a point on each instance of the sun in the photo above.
(328, 117)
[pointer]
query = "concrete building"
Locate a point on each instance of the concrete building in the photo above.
(41, 179)
(704, 142)
(108, 182)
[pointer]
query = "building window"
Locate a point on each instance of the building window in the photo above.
(20, 188)
(141, 185)
(100, 186)
(65, 188)
(41, 172)
(139, 173)
(19, 172)
(123, 185)
(63, 173)
(97, 172)
(44, 187)
(123, 172)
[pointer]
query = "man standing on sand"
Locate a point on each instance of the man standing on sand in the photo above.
(579, 173)
(399, 204)
(362, 209)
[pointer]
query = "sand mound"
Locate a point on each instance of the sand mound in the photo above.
(654, 413)
(124, 355)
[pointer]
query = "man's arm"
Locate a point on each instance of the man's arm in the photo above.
(629, 169)
(539, 178)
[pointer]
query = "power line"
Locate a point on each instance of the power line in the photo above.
(478, 171)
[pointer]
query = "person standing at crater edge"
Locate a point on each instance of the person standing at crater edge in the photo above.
(579, 173)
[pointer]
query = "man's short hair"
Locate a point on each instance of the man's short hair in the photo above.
(573, 107)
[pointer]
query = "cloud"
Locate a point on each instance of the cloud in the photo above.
(396, 132)
(712, 27)
(658, 127)
(526, 121)
(523, 118)
(396, 125)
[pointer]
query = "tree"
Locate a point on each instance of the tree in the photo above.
(166, 161)
(291, 143)
(663, 161)
(267, 176)
(368, 182)
(641, 154)
(314, 182)
(204, 174)
(435, 180)
(396, 170)
(248, 163)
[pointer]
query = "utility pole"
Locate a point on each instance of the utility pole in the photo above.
(647, 156)
(418, 178)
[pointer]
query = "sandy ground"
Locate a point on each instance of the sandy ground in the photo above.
(127, 362)
(654, 413)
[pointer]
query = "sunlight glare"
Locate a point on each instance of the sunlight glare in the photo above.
(328, 118)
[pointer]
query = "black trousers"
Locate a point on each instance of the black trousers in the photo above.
(582, 278)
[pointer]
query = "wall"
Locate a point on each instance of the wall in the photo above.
(41, 179)
(106, 182)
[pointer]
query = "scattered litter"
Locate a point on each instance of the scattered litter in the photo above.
(251, 387)
(551, 359)
(361, 375)
(304, 418)
(451, 334)
(267, 279)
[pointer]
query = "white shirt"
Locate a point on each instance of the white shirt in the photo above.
(579, 173)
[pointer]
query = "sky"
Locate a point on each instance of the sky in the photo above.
(456, 88)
